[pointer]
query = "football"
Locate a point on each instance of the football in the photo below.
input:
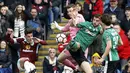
(61, 38)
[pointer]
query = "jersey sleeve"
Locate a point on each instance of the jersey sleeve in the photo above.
(108, 38)
(83, 24)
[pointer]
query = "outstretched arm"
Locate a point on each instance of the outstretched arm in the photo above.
(57, 26)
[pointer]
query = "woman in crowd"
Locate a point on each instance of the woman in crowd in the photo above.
(19, 21)
(5, 57)
(50, 64)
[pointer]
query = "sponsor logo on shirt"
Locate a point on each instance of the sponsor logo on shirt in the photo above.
(89, 32)
(25, 50)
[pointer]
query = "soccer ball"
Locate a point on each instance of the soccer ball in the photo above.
(61, 38)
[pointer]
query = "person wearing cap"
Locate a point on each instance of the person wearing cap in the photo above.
(114, 9)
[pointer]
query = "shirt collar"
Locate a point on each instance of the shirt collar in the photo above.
(113, 9)
(25, 40)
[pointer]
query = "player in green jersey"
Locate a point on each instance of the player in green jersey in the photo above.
(110, 41)
(84, 37)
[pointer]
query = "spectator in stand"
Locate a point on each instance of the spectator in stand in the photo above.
(125, 23)
(123, 50)
(1, 3)
(79, 7)
(4, 24)
(50, 63)
(54, 10)
(35, 24)
(97, 68)
(5, 57)
(28, 44)
(20, 18)
(42, 10)
(114, 9)
(120, 4)
(92, 7)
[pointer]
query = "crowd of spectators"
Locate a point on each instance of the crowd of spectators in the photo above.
(16, 16)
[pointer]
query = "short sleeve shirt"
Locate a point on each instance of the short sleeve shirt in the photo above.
(86, 34)
(111, 35)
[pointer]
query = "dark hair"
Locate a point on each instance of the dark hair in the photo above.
(66, 12)
(81, 11)
(32, 9)
(106, 19)
(116, 22)
(6, 48)
(22, 14)
(28, 30)
(69, 6)
(127, 8)
(97, 16)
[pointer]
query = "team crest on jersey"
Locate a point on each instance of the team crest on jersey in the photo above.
(28, 47)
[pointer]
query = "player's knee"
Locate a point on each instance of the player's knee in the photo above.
(59, 59)
(86, 67)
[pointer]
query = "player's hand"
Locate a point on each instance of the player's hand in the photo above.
(37, 40)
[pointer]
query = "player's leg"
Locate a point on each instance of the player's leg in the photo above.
(86, 67)
(65, 53)
(81, 60)
(63, 58)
